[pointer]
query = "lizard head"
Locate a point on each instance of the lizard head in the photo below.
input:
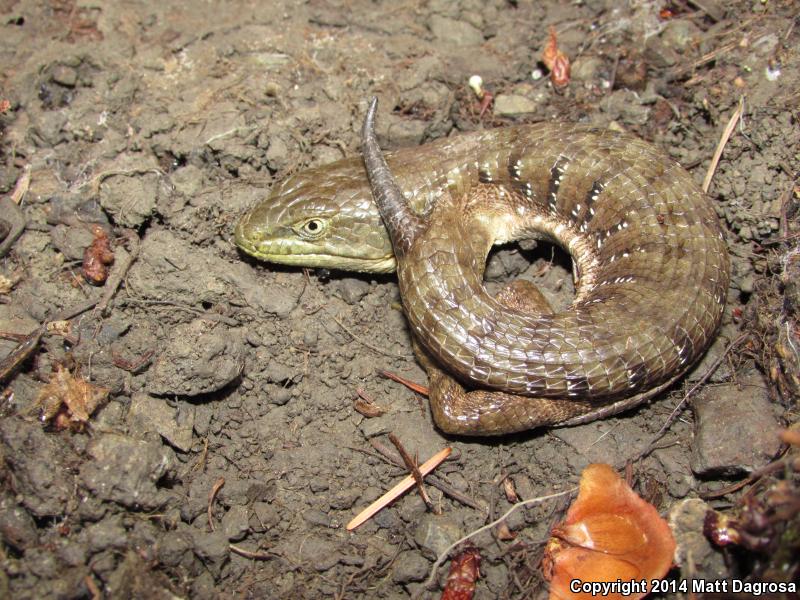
(322, 217)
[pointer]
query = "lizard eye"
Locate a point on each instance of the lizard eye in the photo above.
(312, 228)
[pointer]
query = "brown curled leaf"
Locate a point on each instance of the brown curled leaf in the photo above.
(366, 406)
(368, 409)
(97, 257)
(556, 61)
(510, 491)
(464, 572)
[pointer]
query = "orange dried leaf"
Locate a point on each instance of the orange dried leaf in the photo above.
(556, 61)
(609, 533)
(368, 409)
(97, 257)
(464, 572)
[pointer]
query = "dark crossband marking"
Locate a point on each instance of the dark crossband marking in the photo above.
(591, 198)
(636, 374)
(514, 166)
(556, 177)
(484, 175)
(602, 236)
(583, 212)
(577, 385)
(684, 346)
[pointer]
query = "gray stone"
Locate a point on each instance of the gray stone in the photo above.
(697, 557)
(203, 587)
(277, 154)
(108, 533)
(64, 75)
(235, 523)
(352, 290)
(175, 425)
(735, 429)
(344, 499)
(587, 68)
(17, 528)
(130, 200)
(458, 33)
(188, 180)
(410, 566)
(626, 107)
(321, 554)
(313, 516)
(679, 34)
(38, 463)
(212, 549)
(371, 428)
(434, 534)
(174, 547)
(265, 516)
(71, 241)
(175, 270)
(72, 552)
(318, 484)
(125, 470)
(202, 356)
(405, 132)
(512, 105)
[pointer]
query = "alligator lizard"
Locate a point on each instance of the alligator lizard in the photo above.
(650, 256)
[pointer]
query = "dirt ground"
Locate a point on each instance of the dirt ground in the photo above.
(162, 122)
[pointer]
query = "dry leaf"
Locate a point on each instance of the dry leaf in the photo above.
(97, 257)
(69, 401)
(464, 572)
(510, 490)
(609, 533)
(555, 60)
(368, 409)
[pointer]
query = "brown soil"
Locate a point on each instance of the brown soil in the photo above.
(163, 121)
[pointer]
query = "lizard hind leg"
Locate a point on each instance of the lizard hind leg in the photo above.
(457, 410)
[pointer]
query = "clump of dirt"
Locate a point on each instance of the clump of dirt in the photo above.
(162, 122)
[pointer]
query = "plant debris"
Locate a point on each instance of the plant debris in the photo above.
(68, 401)
(609, 533)
(97, 257)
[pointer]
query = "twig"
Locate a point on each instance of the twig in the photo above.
(119, 271)
(677, 410)
(726, 134)
(412, 467)
(16, 219)
(250, 554)
(98, 179)
(778, 465)
(414, 387)
(11, 363)
(397, 490)
(448, 490)
(92, 587)
(211, 495)
(530, 502)
(366, 343)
